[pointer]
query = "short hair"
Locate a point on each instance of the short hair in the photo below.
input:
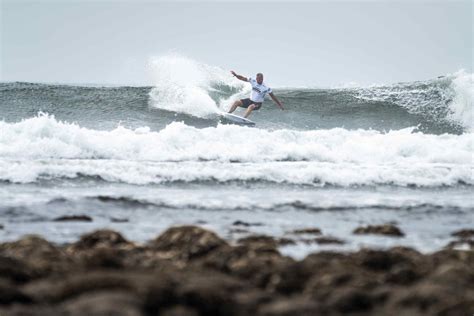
(259, 74)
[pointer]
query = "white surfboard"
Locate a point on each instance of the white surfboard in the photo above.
(234, 119)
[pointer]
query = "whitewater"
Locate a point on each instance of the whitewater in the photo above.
(160, 155)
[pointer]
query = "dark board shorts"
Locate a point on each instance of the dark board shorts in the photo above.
(247, 102)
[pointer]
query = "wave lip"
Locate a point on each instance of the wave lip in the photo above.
(445, 98)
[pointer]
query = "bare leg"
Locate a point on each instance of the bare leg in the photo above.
(249, 110)
(235, 105)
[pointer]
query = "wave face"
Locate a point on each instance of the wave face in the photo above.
(226, 153)
(191, 92)
(406, 134)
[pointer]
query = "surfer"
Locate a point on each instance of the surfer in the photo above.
(259, 90)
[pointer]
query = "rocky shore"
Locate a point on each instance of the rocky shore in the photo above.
(190, 271)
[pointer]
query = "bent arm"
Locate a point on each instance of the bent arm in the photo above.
(274, 98)
(239, 76)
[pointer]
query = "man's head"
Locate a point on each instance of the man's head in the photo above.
(259, 78)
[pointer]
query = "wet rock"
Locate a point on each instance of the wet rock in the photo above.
(378, 259)
(15, 270)
(422, 299)
(294, 276)
(10, 294)
(464, 233)
(73, 218)
(324, 240)
(187, 241)
(285, 241)
(54, 290)
(179, 311)
(387, 230)
(104, 303)
(211, 293)
(350, 300)
(402, 274)
(238, 231)
(263, 242)
(247, 263)
(300, 305)
(38, 254)
(245, 224)
(104, 274)
(463, 244)
(30, 310)
(260, 243)
(100, 239)
(118, 220)
(307, 231)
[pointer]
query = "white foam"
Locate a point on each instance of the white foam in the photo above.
(183, 85)
(42, 147)
(462, 104)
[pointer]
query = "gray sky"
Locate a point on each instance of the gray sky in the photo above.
(294, 44)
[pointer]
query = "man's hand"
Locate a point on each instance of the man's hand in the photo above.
(239, 76)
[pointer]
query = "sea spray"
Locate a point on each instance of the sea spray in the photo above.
(183, 85)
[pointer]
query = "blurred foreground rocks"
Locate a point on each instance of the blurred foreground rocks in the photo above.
(190, 271)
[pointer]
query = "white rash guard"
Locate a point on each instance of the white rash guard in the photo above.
(258, 91)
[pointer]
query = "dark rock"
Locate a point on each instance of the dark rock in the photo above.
(1, 226)
(402, 274)
(239, 231)
(179, 311)
(387, 230)
(101, 238)
(247, 263)
(260, 243)
(245, 224)
(464, 233)
(285, 241)
(351, 300)
(190, 271)
(300, 305)
(104, 303)
(309, 231)
(324, 240)
(15, 270)
(187, 241)
(211, 293)
(10, 294)
(54, 290)
(465, 244)
(73, 218)
(378, 259)
(118, 220)
(40, 256)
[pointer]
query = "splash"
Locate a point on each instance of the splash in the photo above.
(462, 103)
(184, 85)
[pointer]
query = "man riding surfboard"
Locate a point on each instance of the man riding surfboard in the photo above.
(259, 90)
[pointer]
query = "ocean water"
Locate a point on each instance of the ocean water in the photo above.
(139, 159)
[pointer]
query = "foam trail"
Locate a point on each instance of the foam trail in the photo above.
(183, 85)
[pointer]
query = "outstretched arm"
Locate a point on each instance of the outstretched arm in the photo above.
(239, 76)
(274, 98)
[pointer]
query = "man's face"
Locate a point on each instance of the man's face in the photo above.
(259, 78)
